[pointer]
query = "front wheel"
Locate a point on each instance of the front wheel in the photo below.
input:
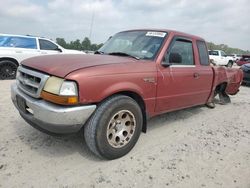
(114, 128)
(7, 70)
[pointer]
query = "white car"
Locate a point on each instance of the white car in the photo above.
(235, 57)
(15, 48)
(219, 57)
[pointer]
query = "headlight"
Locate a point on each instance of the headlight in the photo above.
(60, 91)
(53, 85)
(68, 88)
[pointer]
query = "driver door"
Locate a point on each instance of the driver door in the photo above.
(178, 83)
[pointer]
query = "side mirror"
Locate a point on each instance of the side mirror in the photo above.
(58, 49)
(165, 63)
(175, 58)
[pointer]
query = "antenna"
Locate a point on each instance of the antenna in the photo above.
(91, 23)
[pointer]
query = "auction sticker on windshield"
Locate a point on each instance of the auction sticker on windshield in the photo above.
(155, 34)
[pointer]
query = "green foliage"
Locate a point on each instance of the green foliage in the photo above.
(79, 45)
(228, 50)
(61, 42)
(86, 45)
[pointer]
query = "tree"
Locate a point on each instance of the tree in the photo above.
(77, 45)
(86, 44)
(228, 50)
(61, 42)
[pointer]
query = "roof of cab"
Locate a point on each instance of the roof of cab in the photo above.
(169, 31)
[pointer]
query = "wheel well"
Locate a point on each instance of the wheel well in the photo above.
(10, 59)
(140, 102)
(221, 87)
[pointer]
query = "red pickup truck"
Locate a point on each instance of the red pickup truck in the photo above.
(109, 96)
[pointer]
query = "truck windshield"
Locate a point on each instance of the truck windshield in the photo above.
(137, 44)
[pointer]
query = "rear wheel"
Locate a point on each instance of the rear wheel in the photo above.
(7, 70)
(114, 128)
(223, 96)
(230, 64)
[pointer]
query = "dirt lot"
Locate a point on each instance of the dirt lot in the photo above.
(197, 147)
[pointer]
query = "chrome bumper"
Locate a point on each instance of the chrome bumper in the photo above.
(48, 117)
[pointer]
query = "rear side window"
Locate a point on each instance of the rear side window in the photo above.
(184, 48)
(18, 42)
(47, 45)
(204, 59)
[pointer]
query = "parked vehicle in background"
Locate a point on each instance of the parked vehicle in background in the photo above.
(219, 57)
(235, 57)
(15, 48)
(109, 96)
(246, 73)
(244, 60)
(89, 52)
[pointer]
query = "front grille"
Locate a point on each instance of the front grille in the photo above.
(31, 82)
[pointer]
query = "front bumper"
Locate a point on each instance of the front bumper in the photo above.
(48, 117)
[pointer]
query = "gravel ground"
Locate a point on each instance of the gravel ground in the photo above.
(196, 147)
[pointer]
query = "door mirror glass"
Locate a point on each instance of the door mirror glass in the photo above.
(165, 63)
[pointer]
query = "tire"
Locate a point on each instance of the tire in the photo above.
(114, 128)
(230, 64)
(7, 70)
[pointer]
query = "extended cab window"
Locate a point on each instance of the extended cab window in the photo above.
(183, 49)
(18, 42)
(47, 45)
(204, 59)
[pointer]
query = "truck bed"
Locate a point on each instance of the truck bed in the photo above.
(231, 76)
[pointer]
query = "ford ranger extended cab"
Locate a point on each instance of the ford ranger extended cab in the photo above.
(109, 96)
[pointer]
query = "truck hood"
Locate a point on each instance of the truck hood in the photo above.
(63, 64)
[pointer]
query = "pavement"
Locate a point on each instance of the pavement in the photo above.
(195, 147)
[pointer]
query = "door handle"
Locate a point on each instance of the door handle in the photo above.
(196, 75)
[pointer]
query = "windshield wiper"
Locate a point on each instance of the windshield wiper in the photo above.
(123, 54)
(98, 52)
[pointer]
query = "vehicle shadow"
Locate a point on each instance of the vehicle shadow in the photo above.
(53, 146)
(170, 117)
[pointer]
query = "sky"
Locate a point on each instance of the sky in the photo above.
(218, 21)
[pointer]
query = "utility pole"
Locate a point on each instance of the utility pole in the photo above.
(91, 23)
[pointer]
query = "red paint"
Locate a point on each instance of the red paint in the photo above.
(169, 88)
(244, 60)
